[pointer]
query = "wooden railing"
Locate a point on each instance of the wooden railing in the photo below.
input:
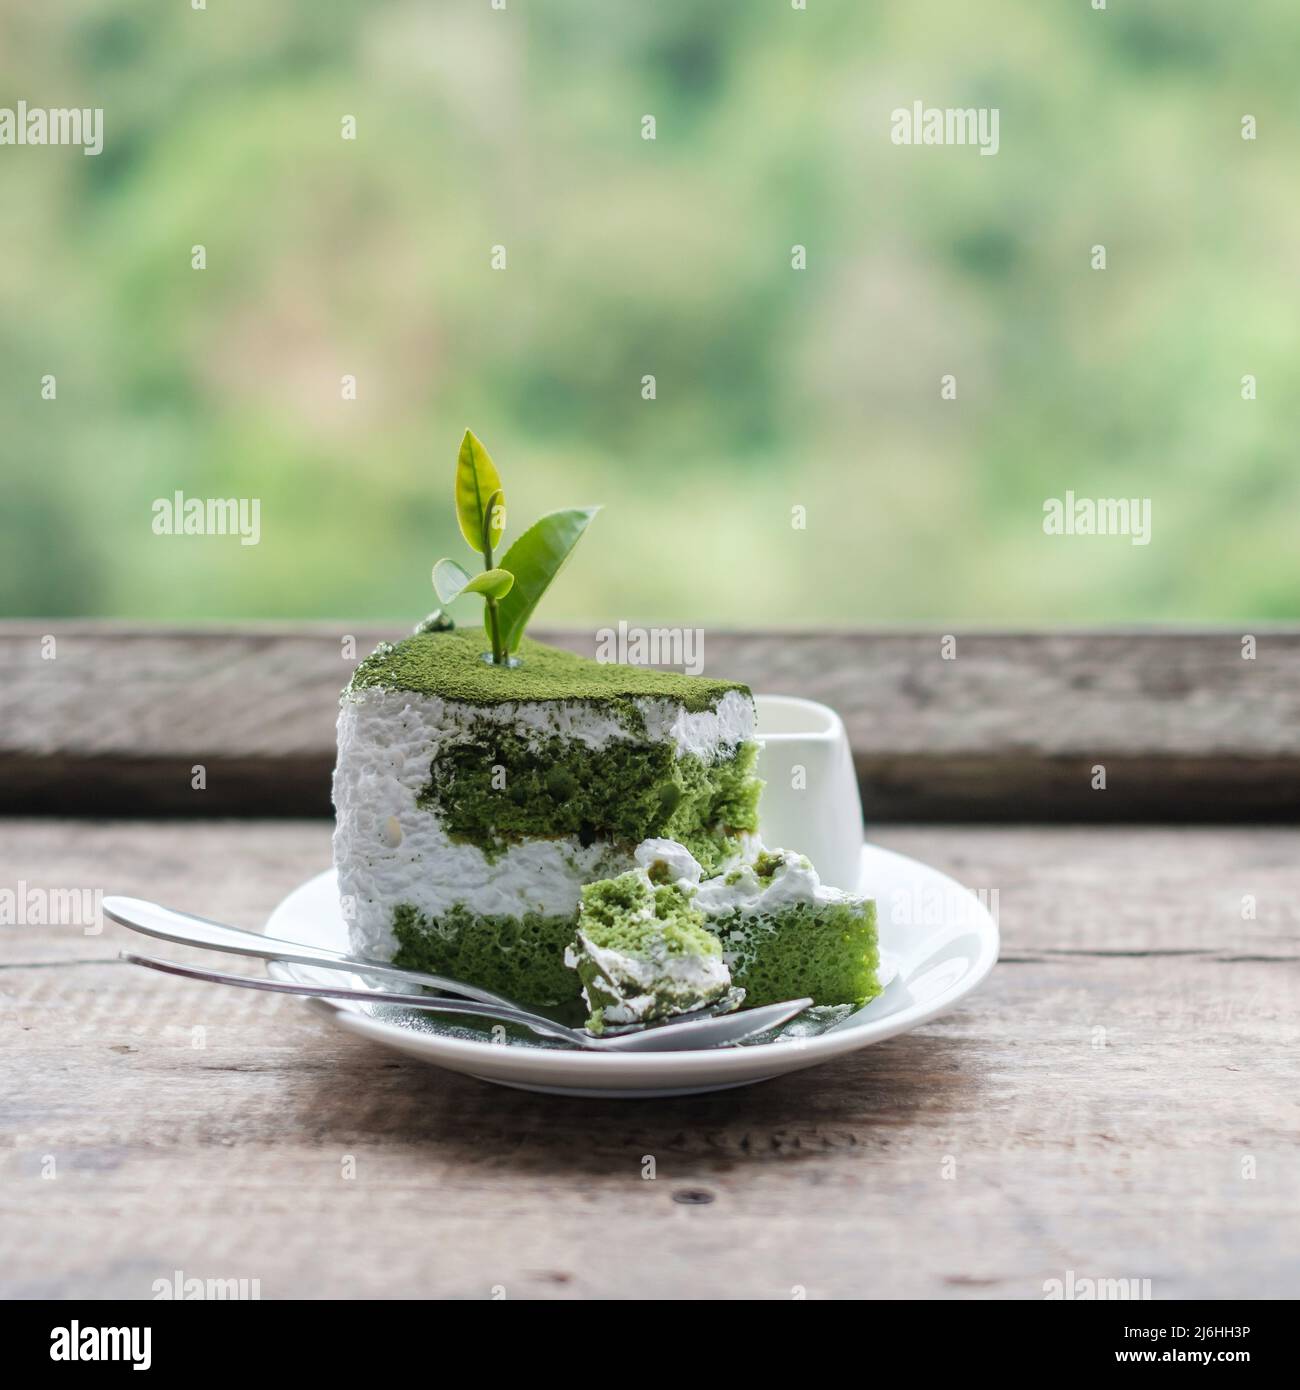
(944, 726)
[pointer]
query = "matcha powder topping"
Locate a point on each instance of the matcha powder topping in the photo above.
(451, 665)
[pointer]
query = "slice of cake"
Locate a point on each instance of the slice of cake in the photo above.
(783, 934)
(475, 800)
(642, 954)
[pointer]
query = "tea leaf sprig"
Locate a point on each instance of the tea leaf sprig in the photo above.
(512, 590)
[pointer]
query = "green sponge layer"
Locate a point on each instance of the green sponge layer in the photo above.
(520, 957)
(827, 953)
(499, 787)
(630, 914)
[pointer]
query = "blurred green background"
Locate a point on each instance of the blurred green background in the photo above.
(775, 388)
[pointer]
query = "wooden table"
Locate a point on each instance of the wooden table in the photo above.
(1118, 1100)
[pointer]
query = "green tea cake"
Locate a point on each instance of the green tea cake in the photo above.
(475, 800)
(642, 954)
(784, 935)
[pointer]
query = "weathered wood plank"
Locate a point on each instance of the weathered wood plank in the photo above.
(1097, 1106)
(1010, 728)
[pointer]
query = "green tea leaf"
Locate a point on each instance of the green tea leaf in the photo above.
(449, 579)
(534, 560)
(476, 481)
(491, 584)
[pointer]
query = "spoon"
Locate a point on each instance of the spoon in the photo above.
(700, 1028)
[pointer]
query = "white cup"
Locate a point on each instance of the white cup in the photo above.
(810, 803)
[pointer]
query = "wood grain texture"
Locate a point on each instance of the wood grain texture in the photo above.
(1010, 729)
(1099, 1103)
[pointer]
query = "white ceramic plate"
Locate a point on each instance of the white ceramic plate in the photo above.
(937, 935)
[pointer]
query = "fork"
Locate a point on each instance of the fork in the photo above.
(716, 1025)
(701, 1028)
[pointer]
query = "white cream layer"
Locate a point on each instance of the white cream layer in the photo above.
(794, 882)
